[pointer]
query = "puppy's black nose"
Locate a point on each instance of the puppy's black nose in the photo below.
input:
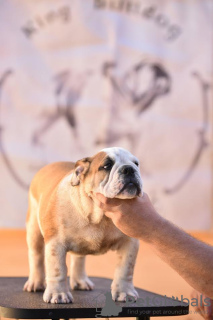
(127, 170)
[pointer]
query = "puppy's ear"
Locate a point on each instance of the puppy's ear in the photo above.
(81, 168)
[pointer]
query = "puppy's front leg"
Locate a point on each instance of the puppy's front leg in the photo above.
(122, 284)
(57, 290)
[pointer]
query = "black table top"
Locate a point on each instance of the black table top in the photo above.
(15, 303)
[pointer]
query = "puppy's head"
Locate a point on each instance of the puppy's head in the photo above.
(114, 172)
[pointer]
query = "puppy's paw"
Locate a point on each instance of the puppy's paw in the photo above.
(57, 297)
(81, 284)
(34, 285)
(122, 289)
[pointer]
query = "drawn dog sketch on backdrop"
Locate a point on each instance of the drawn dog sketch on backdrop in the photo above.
(13, 172)
(138, 88)
(128, 88)
(140, 99)
(202, 140)
(68, 90)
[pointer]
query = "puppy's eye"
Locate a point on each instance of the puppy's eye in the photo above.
(108, 165)
(136, 163)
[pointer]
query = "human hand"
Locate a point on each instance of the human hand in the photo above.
(206, 309)
(135, 217)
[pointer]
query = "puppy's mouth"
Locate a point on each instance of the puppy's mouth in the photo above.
(131, 188)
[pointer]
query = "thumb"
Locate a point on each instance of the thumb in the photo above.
(108, 202)
(109, 214)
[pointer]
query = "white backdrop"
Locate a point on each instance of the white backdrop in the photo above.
(77, 76)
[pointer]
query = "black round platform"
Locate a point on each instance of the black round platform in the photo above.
(15, 303)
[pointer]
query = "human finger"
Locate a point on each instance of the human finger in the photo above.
(107, 201)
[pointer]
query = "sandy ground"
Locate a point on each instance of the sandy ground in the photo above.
(151, 273)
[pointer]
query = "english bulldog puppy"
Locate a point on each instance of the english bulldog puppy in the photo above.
(62, 217)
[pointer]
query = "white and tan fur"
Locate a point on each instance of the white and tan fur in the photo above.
(62, 217)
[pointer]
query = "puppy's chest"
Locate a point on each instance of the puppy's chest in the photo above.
(94, 240)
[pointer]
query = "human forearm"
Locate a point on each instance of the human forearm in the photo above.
(191, 258)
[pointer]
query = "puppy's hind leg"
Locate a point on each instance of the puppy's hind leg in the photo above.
(78, 277)
(35, 242)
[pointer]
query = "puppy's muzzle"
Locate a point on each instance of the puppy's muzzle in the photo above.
(129, 177)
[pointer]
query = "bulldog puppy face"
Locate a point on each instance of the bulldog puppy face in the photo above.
(114, 172)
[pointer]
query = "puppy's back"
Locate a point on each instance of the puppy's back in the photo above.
(47, 178)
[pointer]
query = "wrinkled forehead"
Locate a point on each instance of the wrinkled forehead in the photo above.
(119, 155)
